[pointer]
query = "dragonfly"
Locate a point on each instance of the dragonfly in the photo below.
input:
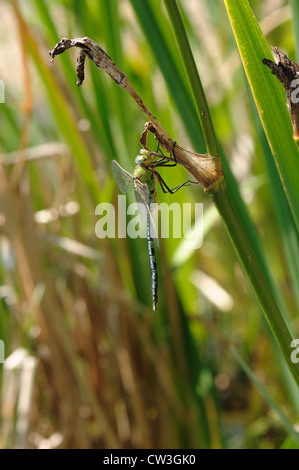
(143, 181)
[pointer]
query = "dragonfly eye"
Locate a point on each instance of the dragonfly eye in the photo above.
(143, 157)
(140, 159)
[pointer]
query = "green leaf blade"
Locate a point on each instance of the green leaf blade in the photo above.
(269, 97)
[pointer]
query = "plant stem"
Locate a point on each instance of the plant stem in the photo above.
(226, 208)
(193, 76)
(272, 404)
(255, 274)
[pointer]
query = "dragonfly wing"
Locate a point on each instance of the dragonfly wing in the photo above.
(142, 198)
(123, 178)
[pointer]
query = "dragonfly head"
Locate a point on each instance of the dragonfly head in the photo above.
(144, 157)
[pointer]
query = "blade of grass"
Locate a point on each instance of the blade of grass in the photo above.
(289, 443)
(65, 121)
(193, 77)
(255, 276)
(271, 403)
(241, 209)
(182, 99)
(99, 122)
(281, 207)
(234, 196)
(112, 30)
(295, 8)
(289, 238)
(269, 97)
(143, 13)
(67, 125)
(229, 213)
(109, 106)
(169, 70)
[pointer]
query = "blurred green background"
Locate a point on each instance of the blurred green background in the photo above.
(89, 364)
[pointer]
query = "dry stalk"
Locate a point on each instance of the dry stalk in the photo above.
(207, 169)
(287, 73)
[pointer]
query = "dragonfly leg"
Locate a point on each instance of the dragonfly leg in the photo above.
(173, 152)
(166, 188)
(165, 161)
(159, 150)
